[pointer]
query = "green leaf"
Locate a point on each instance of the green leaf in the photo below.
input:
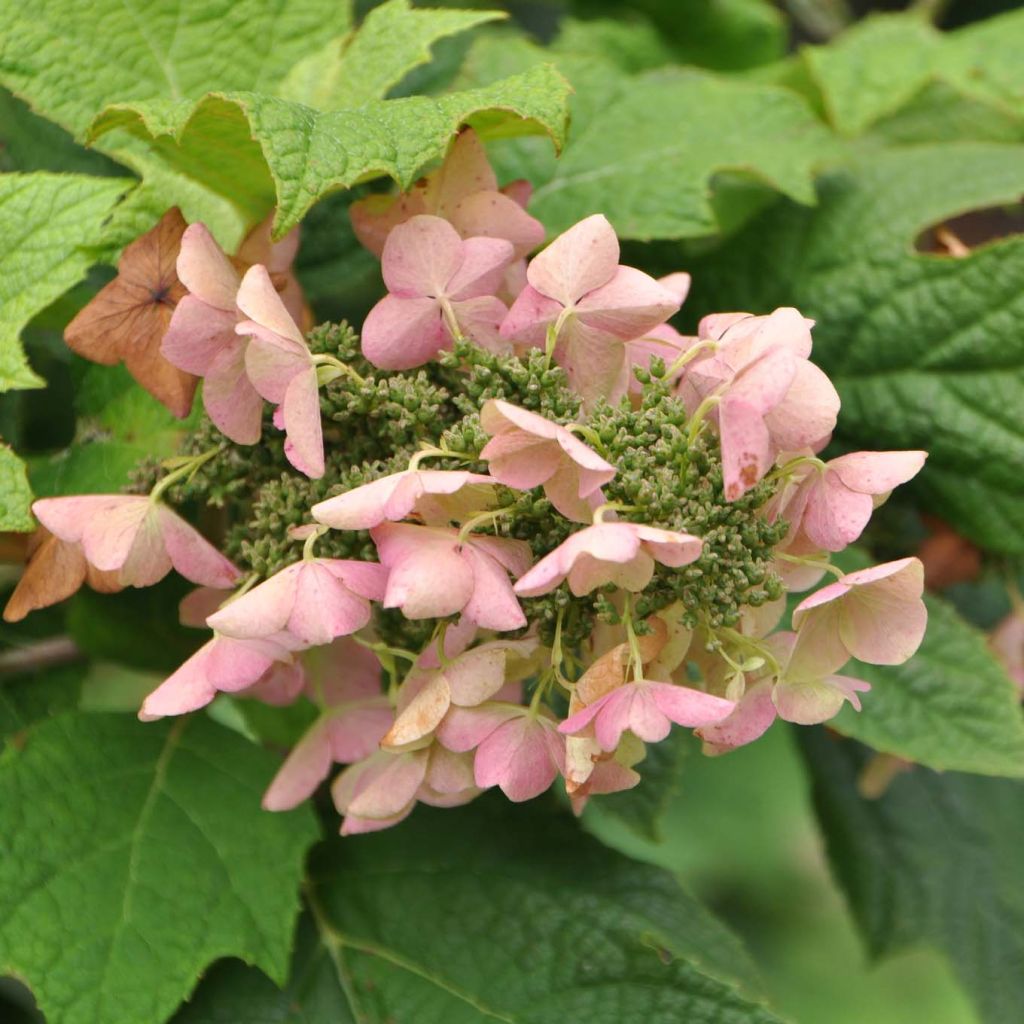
(493, 912)
(926, 351)
(33, 696)
(643, 808)
(886, 63)
(120, 424)
(15, 495)
(394, 39)
(47, 221)
(638, 146)
(311, 153)
(951, 707)
(133, 855)
(935, 860)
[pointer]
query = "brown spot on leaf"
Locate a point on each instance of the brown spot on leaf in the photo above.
(126, 321)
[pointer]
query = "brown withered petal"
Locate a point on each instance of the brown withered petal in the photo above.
(55, 570)
(127, 320)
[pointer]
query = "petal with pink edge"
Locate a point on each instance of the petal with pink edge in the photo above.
(204, 269)
(579, 260)
(421, 256)
(402, 333)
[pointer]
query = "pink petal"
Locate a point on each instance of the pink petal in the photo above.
(324, 607)
(197, 334)
(304, 769)
(593, 360)
(749, 720)
(629, 304)
(342, 672)
(428, 577)
(670, 547)
(367, 579)
(484, 261)
(304, 444)
(834, 516)
(808, 412)
(490, 214)
(689, 707)
(477, 675)
(517, 757)
(259, 300)
(149, 560)
(356, 730)
(529, 317)
(420, 257)
(204, 269)
(198, 604)
(480, 319)
(578, 261)
(232, 402)
(449, 774)
(423, 713)
(374, 217)
(630, 707)
(69, 517)
(263, 611)
(877, 472)
(193, 555)
(386, 787)
(401, 333)
(493, 603)
(271, 361)
(465, 171)
(678, 284)
(466, 728)
(110, 534)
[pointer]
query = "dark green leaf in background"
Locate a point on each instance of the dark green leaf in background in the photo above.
(935, 860)
(131, 856)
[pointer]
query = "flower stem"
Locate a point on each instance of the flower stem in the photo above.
(485, 517)
(186, 470)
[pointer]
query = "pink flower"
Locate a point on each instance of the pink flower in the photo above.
(833, 506)
(771, 398)
(466, 680)
(592, 304)
(749, 720)
(432, 575)
(313, 601)
(383, 789)
(138, 538)
(464, 191)
(647, 709)
(619, 553)
(519, 751)
(526, 450)
(875, 615)
(201, 338)
(440, 286)
(355, 717)
(221, 665)
(435, 496)
(808, 691)
(282, 370)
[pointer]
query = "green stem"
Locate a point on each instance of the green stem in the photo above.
(611, 506)
(328, 360)
(689, 355)
(484, 517)
(636, 665)
(307, 548)
(430, 451)
(190, 467)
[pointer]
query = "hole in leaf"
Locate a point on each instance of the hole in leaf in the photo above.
(957, 236)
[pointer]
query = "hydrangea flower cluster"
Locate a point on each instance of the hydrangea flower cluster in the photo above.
(514, 534)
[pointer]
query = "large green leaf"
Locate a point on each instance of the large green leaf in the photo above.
(888, 62)
(311, 153)
(951, 707)
(47, 221)
(927, 351)
(935, 860)
(640, 147)
(364, 66)
(119, 426)
(496, 913)
(131, 856)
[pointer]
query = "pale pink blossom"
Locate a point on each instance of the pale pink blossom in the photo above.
(808, 691)
(201, 338)
(526, 450)
(578, 290)
(771, 398)
(313, 601)
(517, 750)
(383, 789)
(749, 720)
(876, 615)
(354, 716)
(465, 680)
(281, 368)
(431, 574)
(440, 286)
(435, 496)
(136, 537)
(222, 665)
(464, 191)
(619, 553)
(832, 506)
(647, 709)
